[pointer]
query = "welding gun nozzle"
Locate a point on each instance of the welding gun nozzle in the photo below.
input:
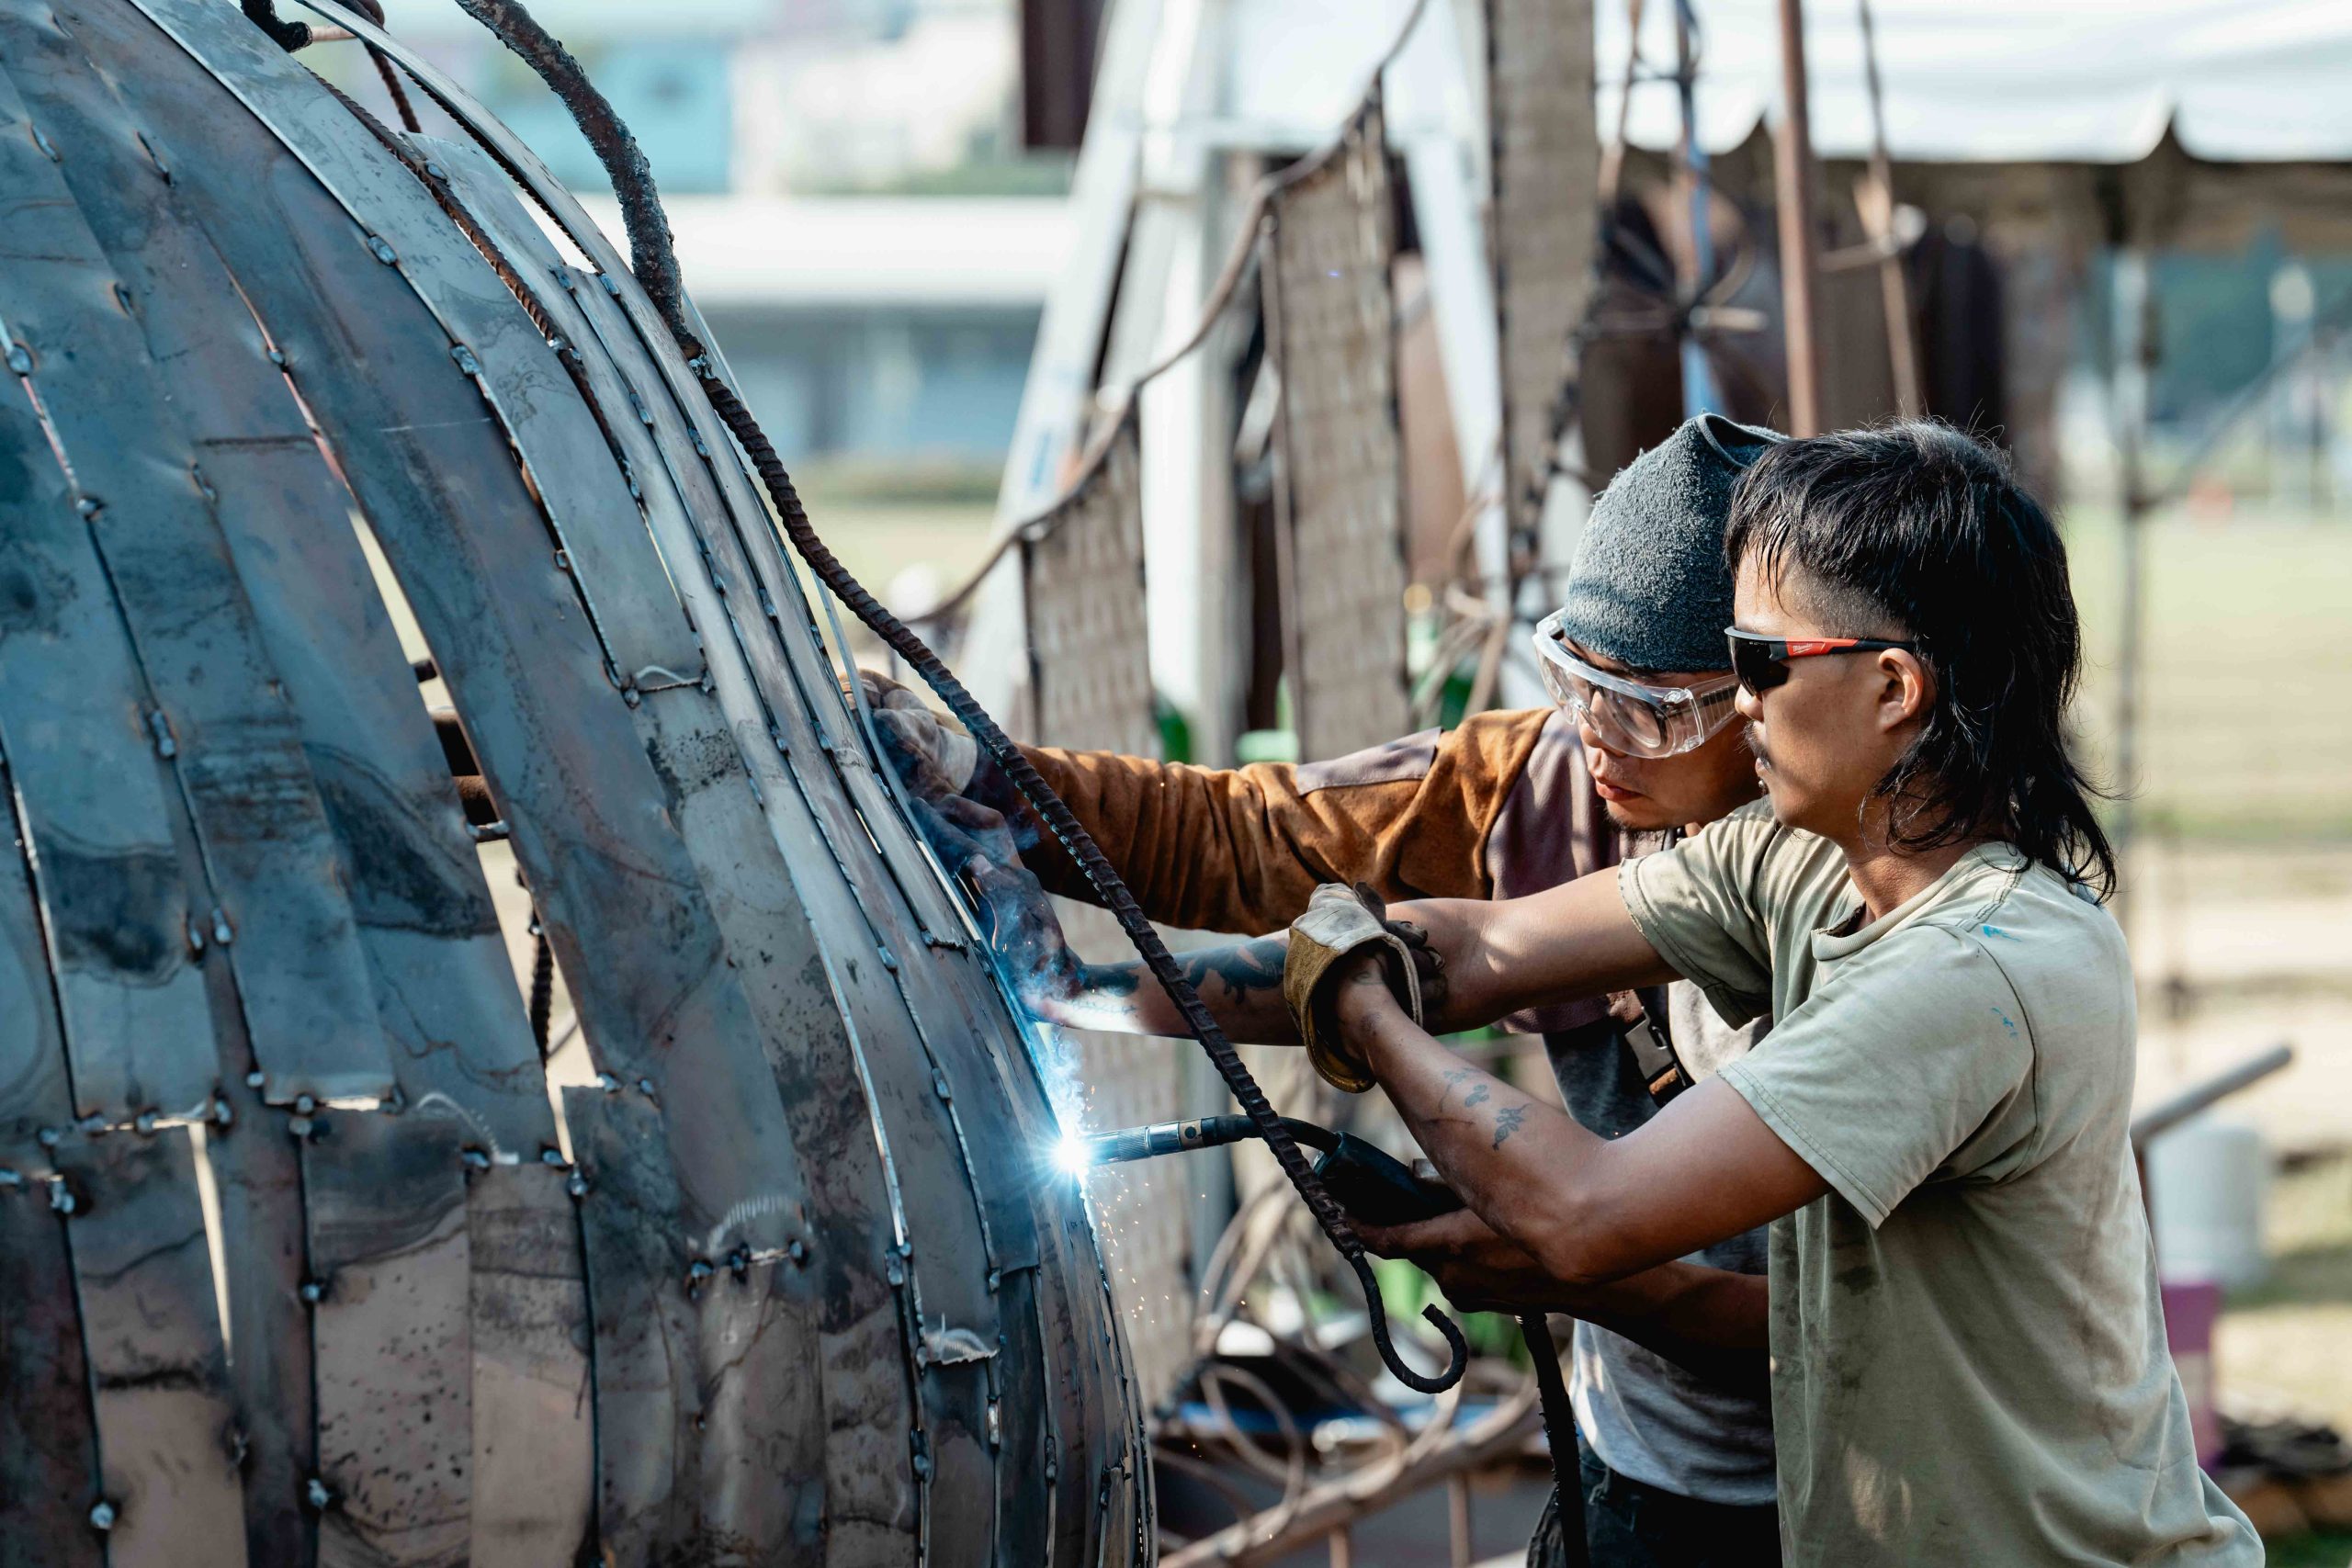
(1125, 1144)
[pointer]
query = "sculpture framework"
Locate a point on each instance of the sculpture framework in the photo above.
(303, 1262)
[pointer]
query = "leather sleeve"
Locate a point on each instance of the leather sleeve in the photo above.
(1241, 850)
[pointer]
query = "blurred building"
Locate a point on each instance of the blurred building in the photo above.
(853, 210)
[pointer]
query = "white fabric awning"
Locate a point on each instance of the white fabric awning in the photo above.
(2013, 81)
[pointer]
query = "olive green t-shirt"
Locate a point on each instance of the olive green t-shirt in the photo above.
(1968, 1349)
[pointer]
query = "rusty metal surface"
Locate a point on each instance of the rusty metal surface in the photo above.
(1338, 492)
(385, 1200)
(807, 1294)
(1546, 158)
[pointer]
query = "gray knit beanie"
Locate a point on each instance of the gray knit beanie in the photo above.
(1649, 588)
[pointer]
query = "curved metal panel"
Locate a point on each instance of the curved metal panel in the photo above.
(809, 1294)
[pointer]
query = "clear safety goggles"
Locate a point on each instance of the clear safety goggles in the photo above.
(1631, 716)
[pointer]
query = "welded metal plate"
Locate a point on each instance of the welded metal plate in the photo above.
(1331, 321)
(218, 714)
(1546, 161)
(49, 1461)
(166, 1428)
(830, 1312)
(95, 802)
(385, 1200)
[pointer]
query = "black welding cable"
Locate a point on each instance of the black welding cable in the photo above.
(655, 264)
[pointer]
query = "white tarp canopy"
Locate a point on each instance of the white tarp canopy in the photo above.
(2012, 80)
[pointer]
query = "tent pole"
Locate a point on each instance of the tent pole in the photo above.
(1800, 263)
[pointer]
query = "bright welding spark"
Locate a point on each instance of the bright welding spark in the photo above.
(1071, 1157)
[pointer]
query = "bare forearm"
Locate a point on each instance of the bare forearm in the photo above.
(1588, 1210)
(1500, 958)
(1712, 1321)
(1241, 984)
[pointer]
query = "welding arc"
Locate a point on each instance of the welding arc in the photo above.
(654, 261)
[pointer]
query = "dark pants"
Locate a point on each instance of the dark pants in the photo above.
(1630, 1525)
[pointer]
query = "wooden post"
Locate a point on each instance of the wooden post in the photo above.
(1793, 177)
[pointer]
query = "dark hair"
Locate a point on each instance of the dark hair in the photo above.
(1916, 530)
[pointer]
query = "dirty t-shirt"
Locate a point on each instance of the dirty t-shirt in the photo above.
(1968, 1352)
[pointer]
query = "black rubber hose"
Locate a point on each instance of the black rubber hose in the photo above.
(655, 262)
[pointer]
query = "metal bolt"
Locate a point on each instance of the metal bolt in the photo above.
(551, 1157)
(61, 1196)
(645, 1086)
(255, 1078)
(473, 1159)
(222, 932)
(195, 937)
(466, 360)
(314, 1291)
(89, 506)
(317, 1494)
(143, 1123)
(48, 1137)
(563, 561)
(42, 142)
(304, 1105)
(894, 1274)
(698, 445)
(122, 298)
(102, 1514)
(610, 286)
(20, 359)
(167, 744)
(221, 1111)
(299, 1126)
(797, 1252)
(939, 1084)
(383, 252)
(277, 357)
(577, 1185)
(435, 170)
(608, 1083)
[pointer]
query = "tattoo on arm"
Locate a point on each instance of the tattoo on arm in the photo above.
(1507, 1121)
(1476, 1097)
(1248, 966)
(1454, 1076)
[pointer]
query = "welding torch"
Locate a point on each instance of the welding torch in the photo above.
(1370, 1183)
(1373, 1186)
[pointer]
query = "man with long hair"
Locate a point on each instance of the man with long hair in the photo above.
(1968, 1352)
(1675, 1443)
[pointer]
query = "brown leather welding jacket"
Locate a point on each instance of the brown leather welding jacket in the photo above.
(1498, 808)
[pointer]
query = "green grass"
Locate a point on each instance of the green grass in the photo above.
(2247, 717)
(2323, 1549)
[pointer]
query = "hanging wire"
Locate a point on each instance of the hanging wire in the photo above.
(653, 261)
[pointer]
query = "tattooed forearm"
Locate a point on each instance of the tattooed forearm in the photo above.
(1246, 967)
(1240, 984)
(1507, 1121)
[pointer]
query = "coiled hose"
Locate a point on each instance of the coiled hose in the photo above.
(654, 261)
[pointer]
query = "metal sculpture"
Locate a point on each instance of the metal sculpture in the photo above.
(303, 1262)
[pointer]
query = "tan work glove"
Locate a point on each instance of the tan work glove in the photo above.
(1339, 923)
(934, 755)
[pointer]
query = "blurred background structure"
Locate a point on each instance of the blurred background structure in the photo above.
(942, 239)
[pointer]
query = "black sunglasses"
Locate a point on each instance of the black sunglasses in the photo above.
(1762, 662)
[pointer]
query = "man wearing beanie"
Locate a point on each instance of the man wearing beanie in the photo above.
(1676, 1462)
